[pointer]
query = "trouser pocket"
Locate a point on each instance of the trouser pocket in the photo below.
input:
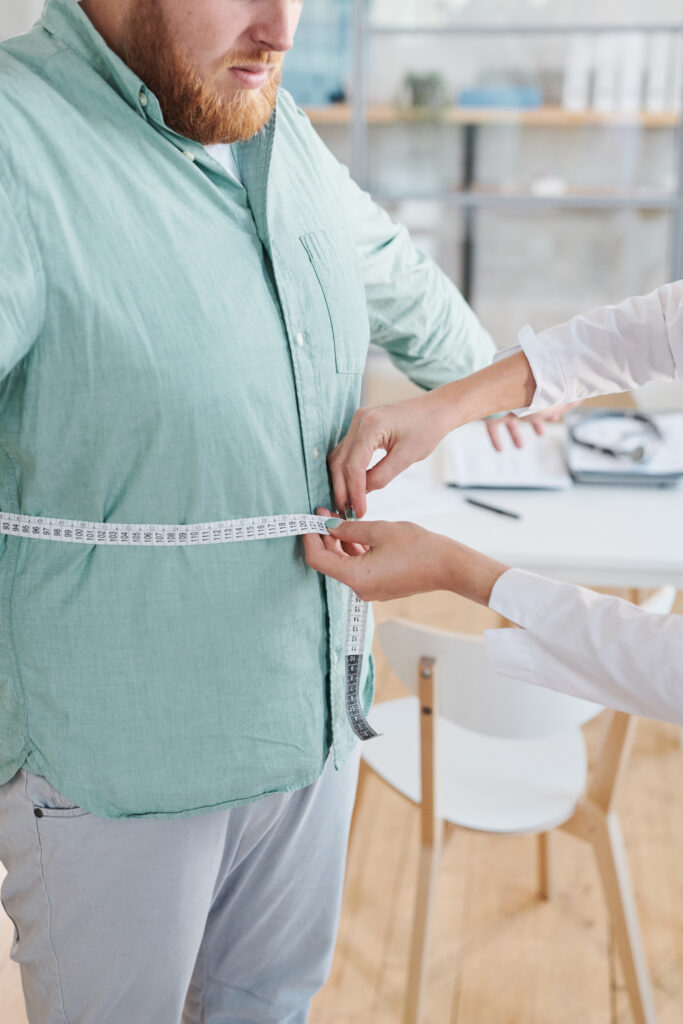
(47, 801)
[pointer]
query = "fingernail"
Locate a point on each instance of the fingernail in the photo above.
(332, 524)
(349, 513)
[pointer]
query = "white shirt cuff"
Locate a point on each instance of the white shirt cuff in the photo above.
(519, 596)
(551, 386)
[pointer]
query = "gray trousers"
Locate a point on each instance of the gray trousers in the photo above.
(220, 918)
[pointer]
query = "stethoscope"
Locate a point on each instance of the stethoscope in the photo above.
(641, 452)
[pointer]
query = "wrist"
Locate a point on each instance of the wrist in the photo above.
(470, 573)
(449, 406)
(508, 384)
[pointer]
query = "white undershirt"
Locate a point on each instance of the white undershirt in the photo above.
(222, 152)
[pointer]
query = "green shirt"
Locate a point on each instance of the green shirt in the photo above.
(174, 348)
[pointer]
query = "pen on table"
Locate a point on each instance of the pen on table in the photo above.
(493, 508)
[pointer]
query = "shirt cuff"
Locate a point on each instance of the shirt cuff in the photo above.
(551, 387)
(520, 596)
(510, 652)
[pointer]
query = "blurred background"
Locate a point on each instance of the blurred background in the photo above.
(531, 146)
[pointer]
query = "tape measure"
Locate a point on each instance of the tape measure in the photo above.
(225, 531)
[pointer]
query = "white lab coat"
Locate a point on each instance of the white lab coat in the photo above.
(588, 645)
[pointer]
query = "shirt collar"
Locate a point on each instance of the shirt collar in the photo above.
(65, 20)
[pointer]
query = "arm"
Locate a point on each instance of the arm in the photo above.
(588, 645)
(415, 311)
(607, 350)
(22, 294)
(409, 431)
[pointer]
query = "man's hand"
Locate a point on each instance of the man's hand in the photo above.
(514, 424)
(399, 559)
(407, 431)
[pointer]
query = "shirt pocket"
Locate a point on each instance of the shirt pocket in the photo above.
(335, 262)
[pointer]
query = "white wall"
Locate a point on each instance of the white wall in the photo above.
(17, 16)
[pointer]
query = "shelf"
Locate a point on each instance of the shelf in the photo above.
(575, 199)
(538, 117)
(517, 28)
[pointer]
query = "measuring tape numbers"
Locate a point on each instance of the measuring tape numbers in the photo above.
(225, 531)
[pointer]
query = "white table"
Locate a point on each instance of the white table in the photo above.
(598, 536)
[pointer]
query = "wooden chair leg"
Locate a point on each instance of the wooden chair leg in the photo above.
(419, 948)
(609, 850)
(545, 866)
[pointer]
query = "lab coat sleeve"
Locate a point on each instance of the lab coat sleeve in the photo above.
(22, 296)
(415, 311)
(588, 645)
(607, 350)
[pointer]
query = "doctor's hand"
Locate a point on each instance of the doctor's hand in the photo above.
(399, 559)
(515, 425)
(407, 431)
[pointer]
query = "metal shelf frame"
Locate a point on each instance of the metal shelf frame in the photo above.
(469, 199)
(465, 29)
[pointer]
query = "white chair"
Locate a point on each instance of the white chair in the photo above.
(501, 756)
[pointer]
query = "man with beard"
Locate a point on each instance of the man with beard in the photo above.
(188, 285)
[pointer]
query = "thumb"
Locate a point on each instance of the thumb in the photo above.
(356, 532)
(384, 471)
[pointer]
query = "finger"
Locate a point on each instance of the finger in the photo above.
(355, 472)
(331, 563)
(337, 460)
(539, 426)
(352, 549)
(358, 457)
(313, 547)
(338, 483)
(493, 428)
(330, 543)
(358, 532)
(393, 463)
(515, 431)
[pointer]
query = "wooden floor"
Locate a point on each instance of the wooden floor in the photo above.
(500, 956)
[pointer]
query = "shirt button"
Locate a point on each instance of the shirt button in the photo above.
(190, 156)
(316, 453)
(299, 339)
(143, 98)
(37, 811)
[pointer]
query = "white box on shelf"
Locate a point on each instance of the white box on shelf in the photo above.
(578, 69)
(630, 74)
(605, 81)
(657, 72)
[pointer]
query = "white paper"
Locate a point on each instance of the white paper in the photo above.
(471, 460)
